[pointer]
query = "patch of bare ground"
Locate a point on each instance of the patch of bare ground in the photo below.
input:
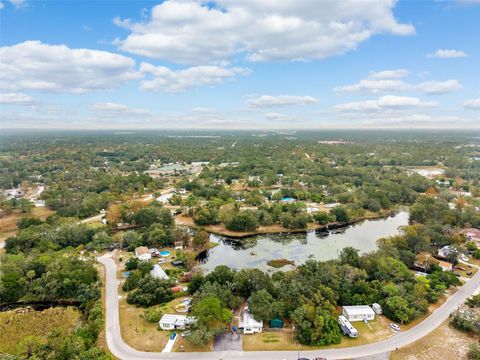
(445, 342)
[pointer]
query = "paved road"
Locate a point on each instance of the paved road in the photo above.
(121, 350)
(94, 218)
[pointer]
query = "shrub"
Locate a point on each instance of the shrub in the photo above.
(152, 315)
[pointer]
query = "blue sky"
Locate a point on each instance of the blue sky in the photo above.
(239, 64)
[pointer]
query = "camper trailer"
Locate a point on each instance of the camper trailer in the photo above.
(346, 327)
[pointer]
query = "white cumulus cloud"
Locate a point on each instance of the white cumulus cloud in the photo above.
(58, 68)
(448, 53)
(281, 100)
(110, 109)
(197, 32)
(163, 79)
(389, 74)
(439, 87)
(389, 81)
(16, 99)
(472, 103)
(388, 102)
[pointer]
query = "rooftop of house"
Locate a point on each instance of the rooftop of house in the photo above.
(248, 320)
(141, 250)
(158, 273)
(359, 310)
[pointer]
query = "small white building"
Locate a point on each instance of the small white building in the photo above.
(174, 321)
(249, 324)
(358, 313)
(142, 253)
(158, 273)
(377, 308)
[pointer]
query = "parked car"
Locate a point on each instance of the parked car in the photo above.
(173, 336)
(186, 333)
(395, 326)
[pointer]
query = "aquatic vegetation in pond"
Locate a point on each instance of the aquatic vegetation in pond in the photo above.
(278, 263)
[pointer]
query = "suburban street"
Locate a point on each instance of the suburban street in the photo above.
(121, 350)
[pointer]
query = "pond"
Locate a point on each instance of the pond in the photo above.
(254, 252)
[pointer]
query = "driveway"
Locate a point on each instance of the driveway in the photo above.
(228, 341)
(121, 350)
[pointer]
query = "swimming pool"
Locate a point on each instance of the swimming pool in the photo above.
(164, 253)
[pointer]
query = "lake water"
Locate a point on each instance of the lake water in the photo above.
(254, 252)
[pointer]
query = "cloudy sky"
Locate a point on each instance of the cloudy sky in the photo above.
(239, 64)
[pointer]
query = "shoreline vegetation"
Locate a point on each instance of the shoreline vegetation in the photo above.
(221, 230)
(279, 263)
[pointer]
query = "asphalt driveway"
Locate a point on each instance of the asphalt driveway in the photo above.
(228, 341)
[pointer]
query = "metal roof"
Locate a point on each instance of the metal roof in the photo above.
(358, 310)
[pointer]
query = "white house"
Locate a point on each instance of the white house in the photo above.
(142, 253)
(331, 205)
(249, 324)
(358, 313)
(13, 193)
(447, 250)
(165, 198)
(158, 273)
(174, 321)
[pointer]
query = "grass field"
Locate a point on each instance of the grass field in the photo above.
(137, 332)
(445, 342)
(8, 223)
(16, 325)
(282, 339)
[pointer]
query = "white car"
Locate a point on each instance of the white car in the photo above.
(395, 326)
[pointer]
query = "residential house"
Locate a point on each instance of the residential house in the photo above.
(424, 260)
(154, 252)
(445, 265)
(358, 313)
(174, 321)
(446, 251)
(158, 273)
(165, 198)
(142, 253)
(13, 194)
(249, 324)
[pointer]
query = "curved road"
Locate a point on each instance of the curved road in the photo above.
(122, 351)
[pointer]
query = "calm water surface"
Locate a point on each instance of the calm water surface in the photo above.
(256, 251)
